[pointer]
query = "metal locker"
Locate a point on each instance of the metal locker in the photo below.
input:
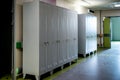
(86, 34)
(31, 38)
(75, 35)
(49, 37)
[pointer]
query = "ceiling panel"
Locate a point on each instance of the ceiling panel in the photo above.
(97, 4)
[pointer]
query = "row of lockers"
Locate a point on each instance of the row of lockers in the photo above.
(87, 33)
(53, 36)
(50, 37)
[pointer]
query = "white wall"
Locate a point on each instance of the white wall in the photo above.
(18, 33)
(104, 13)
(97, 13)
(110, 13)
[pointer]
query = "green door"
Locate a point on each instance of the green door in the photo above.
(107, 33)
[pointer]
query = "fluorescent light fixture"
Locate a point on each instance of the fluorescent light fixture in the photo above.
(117, 5)
(86, 1)
(80, 3)
(25, 1)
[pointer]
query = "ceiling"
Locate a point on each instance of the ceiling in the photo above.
(97, 4)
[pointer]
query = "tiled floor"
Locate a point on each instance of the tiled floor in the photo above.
(103, 65)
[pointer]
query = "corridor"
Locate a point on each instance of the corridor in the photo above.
(103, 65)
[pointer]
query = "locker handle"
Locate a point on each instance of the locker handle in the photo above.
(46, 43)
(58, 41)
(74, 39)
(67, 40)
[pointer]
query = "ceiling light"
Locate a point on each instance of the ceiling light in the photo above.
(117, 5)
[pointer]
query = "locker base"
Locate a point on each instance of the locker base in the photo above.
(49, 73)
(37, 77)
(87, 54)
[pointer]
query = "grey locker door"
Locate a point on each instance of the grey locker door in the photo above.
(68, 35)
(64, 35)
(60, 59)
(75, 36)
(95, 32)
(61, 35)
(49, 37)
(52, 35)
(43, 38)
(71, 33)
(81, 34)
(86, 32)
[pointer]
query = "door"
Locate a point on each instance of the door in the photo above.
(54, 34)
(106, 32)
(43, 38)
(62, 29)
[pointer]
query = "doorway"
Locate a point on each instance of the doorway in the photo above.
(115, 31)
(115, 28)
(111, 27)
